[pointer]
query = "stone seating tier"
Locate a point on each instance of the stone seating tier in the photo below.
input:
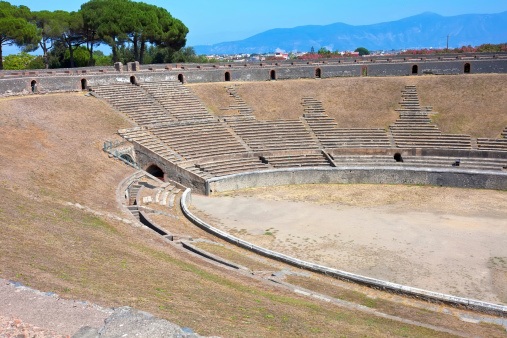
(420, 161)
(147, 140)
(295, 161)
(198, 139)
(179, 100)
(273, 135)
(492, 144)
(134, 103)
(229, 166)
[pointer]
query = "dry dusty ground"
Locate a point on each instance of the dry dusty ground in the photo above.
(442, 239)
(50, 155)
(471, 104)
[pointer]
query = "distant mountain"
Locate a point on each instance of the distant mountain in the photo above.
(420, 31)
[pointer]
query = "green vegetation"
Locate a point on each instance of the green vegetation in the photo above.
(362, 51)
(121, 24)
(15, 29)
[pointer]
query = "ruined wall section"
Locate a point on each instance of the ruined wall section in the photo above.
(24, 83)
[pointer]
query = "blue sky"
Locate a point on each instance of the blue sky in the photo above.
(218, 21)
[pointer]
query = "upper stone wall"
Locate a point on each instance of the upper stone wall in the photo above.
(42, 81)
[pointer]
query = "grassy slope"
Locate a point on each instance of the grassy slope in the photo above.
(471, 104)
(50, 155)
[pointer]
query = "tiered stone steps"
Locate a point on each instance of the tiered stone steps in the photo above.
(231, 166)
(504, 132)
(295, 161)
(499, 144)
(134, 102)
(325, 129)
(193, 140)
(164, 195)
(273, 135)
(179, 100)
(149, 141)
(421, 161)
(414, 128)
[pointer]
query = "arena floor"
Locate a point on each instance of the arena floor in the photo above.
(447, 240)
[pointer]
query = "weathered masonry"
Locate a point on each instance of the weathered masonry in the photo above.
(77, 79)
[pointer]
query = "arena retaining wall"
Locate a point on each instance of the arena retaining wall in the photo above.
(354, 174)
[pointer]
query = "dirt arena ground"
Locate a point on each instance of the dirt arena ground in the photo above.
(443, 239)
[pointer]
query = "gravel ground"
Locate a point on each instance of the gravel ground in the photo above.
(25, 312)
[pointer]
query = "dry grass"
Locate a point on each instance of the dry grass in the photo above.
(464, 202)
(330, 288)
(50, 155)
(468, 104)
(213, 101)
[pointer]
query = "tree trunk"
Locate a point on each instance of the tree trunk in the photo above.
(91, 63)
(141, 52)
(43, 45)
(115, 51)
(1, 57)
(71, 55)
(136, 49)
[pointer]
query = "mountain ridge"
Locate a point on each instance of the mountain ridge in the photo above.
(424, 30)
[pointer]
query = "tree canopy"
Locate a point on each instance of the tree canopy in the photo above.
(15, 29)
(113, 22)
(362, 51)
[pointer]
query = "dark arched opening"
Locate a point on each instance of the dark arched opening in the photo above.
(364, 71)
(33, 85)
(181, 78)
(415, 69)
(155, 171)
(398, 158)
(133, 80)
(272, 75)
(227, 76)
(318, 73)
(84, 84)
(127, 158)
(466, 68)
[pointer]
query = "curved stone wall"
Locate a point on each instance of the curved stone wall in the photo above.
(377, 175)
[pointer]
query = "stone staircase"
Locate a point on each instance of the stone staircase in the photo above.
(414, 128)
(329, 136)
(244, 110)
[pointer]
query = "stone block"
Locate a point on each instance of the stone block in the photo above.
(169, 67)
(69, 72)
(133, 66)
(118, 66)
(102, 71)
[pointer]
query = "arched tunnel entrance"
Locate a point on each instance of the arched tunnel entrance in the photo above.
(155, 171)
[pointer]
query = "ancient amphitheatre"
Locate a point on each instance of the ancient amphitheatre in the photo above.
(53, 155)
